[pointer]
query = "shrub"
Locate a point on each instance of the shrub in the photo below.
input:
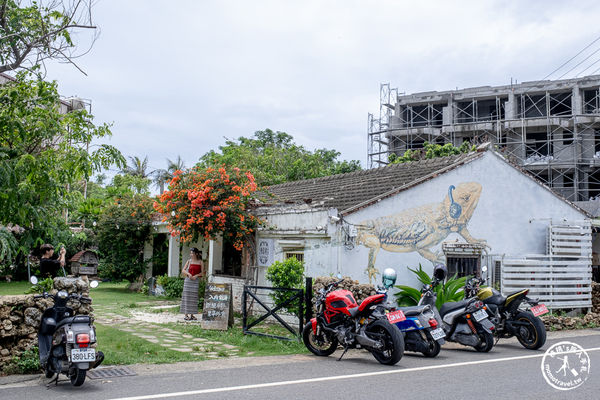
(286, 274)
(173, 287)
(43, 285)
(451, 290)
(27, 363)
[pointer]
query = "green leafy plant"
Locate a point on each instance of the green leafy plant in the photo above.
(123, 229)
(27, 363)
(172, 285)
(451, 290)
(286, 274)
(431, 150)
(43, 285)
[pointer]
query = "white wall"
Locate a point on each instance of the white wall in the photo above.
(512, 215)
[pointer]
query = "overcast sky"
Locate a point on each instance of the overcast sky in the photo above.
(176, 78)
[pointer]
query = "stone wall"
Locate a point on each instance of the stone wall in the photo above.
(596, 297)
(360, 291)
(20, 318)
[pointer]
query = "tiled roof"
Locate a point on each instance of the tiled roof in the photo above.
(346, 191)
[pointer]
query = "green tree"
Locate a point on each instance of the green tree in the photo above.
(274, 158)
(431, 150)
(43, 153)
(34, 31)
(137, 167)
(286, 274)
(123, 227)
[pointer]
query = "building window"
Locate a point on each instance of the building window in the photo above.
(297, 254)
(462, 266)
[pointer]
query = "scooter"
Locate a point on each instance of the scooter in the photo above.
(64, 339)
(465, 322)
(422, 333)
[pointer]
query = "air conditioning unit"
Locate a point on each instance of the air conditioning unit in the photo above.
(76, 103)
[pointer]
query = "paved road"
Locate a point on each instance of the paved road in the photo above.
(507, 372)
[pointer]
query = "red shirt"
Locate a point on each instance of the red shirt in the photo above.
(195, 269)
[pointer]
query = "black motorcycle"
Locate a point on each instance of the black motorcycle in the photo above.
(514, 314)
(465, 322)
(64, 339)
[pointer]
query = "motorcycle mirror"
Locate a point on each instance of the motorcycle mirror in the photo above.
(33, 280)
(339, 276)
(94, 284)
(484, 269)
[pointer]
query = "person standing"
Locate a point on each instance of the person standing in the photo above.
(192, 271)
(49, 265)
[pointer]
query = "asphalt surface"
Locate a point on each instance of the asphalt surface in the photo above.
(507, 372)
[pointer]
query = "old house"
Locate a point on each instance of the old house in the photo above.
(465, 211)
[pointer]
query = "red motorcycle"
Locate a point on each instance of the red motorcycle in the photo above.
(340, 320)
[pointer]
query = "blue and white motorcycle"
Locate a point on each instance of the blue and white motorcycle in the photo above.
(421, 329)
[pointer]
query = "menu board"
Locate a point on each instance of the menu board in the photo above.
(217, 312)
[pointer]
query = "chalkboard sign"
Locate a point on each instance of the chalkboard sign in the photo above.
(218, 309)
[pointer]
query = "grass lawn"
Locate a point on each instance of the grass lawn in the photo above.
(124, 348)
(12, 288)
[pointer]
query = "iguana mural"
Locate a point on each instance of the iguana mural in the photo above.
(421, 228)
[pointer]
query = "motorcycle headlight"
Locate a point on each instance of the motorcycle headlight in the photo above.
(62, 294)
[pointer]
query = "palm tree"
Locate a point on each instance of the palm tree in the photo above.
(162, 176)
(138, 167)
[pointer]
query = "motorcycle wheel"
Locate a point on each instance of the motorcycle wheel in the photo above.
(392, 339)
(434, 346)
(487, 342)
(320, 346)
(532, 336)
(77, 376)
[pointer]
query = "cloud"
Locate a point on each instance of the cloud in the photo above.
(176, 78)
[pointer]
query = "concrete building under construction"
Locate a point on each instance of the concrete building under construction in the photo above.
(550, 128)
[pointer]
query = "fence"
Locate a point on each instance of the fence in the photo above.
(269, 311)
(563, 277)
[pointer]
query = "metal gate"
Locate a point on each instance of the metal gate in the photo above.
(251, 296)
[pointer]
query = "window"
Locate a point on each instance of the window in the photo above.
(462, 266)
(298, 255)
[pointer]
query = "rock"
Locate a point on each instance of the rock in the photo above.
(33, 316)
(4, 352)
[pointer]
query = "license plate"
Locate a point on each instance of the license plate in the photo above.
(480, 314)
(83, 355)
(396, 316)
(538, 310)
(438, 334)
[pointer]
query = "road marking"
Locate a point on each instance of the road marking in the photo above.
(329, 378)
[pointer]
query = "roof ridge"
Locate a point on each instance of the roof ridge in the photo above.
(454, 157)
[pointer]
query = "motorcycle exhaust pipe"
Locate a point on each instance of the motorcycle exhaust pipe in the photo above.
(365, 341)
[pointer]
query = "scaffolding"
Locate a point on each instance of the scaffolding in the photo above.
(551, 128)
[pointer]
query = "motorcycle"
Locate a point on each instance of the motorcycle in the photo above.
(465, 322)
(340, 320)
(422, 333)
(514, 314)
(64, 339)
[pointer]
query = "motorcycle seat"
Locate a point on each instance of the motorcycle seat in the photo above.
(414, 310)
(496, 299)
(451, 306)
(78, 319)
(353, 311)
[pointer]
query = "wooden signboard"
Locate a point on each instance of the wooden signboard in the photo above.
(218, 308)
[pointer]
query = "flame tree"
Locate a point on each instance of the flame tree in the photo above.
(209, 202)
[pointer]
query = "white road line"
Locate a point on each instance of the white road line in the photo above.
(329, 378)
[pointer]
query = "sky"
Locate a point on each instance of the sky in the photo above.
(177, 78)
